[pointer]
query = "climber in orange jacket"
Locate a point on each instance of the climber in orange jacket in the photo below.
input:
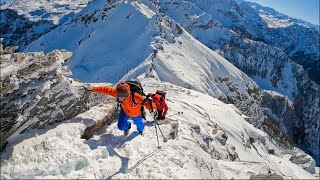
(128, 108)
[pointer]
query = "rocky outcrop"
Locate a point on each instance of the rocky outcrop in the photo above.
(272, 176)
(272, 69)
(279, 110)
(305, 161)
(35, 91)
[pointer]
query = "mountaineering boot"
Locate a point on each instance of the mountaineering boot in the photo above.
(126, 132)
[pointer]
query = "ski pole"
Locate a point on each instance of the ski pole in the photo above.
(155, 126)
(156, 121)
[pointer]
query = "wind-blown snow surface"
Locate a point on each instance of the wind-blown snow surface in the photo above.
(197, 152)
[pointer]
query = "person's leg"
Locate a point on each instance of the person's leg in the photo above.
(123, 123)
(160, 115)
(139, 123)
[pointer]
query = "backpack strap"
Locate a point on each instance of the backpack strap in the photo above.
(161, 99)
(132, 99)
(149, 101)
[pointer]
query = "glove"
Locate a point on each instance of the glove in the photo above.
(160, 118)
(154, 113)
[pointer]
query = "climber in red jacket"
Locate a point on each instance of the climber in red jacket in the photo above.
(159, 99)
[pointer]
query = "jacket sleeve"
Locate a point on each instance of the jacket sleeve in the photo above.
(139, 99)
(164, 104)
(104, 90)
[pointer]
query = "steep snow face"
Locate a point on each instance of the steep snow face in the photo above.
(102, 28)
(213, 141)
(23, 21)
(155, 46)
(197, 22)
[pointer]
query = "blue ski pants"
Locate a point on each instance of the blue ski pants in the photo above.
(123, 122)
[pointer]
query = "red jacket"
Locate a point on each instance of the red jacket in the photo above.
(161, 104)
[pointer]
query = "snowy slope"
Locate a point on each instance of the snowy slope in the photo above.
(56, 11)
(212, 142)
(241, 36)
(155, 46)
(158, 47)
(23, 21)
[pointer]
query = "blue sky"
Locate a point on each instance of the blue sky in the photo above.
(307, 10)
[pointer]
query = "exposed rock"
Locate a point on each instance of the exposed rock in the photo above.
(196, 128)
(35, 92)
(110, 115)
(174, 130)
(271, 151)
(288, 117)
(1, 46)
(305, 161)
(233, 155)
(272, 176)
(10, 49)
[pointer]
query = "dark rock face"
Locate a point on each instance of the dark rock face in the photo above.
(35, 91)
(311, 63)
(305, 161)
(279, 109)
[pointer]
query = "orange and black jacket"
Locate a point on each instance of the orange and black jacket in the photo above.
(131, 109)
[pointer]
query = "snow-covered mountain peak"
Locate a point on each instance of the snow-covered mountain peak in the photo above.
(276, 19)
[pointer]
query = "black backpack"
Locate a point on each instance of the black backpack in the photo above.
(136, 87)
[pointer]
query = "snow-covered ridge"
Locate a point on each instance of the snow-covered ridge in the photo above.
(213, 141)
(268, 14)
(156, 46)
